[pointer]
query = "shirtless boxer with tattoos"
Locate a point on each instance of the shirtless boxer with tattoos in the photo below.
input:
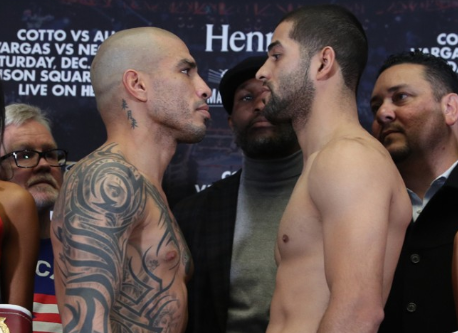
(121, 262)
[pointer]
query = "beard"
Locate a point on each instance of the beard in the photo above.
(401, 154)
(278, 144)
(45, 194)
(192, 133)
(176, 115)
(428, 134)
(296, 103)
(45, 197)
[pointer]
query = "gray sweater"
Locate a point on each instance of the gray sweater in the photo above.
(265, 188)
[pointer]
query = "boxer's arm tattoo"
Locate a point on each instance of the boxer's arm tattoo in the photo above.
(105, 273)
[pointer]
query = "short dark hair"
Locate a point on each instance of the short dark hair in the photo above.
(318, 26)
(437, 72)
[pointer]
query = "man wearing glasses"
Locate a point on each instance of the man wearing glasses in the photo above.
(31, 159)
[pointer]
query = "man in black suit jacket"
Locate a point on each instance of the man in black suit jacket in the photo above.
(231, 226)
(415, 104)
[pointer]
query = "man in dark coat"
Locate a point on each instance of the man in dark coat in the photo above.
(415, 104)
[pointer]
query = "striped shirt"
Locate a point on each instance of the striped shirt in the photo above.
(46, 317)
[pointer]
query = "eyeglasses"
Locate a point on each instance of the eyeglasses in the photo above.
(30, 158)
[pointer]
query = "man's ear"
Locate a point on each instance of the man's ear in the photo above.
(134, 84)
(449, 104)
(327, 63)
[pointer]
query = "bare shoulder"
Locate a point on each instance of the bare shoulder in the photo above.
(14, 199)
(18, 211)
(13, 194)
(352, 165)
(361, 155)
(104, 169)
(358, 173)
(102, 187)
(103, 163)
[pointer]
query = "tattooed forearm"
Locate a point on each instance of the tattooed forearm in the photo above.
(121, 249)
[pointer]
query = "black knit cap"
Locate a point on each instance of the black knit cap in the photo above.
(235, 76)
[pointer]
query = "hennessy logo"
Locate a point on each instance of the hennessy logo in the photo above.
(237, 41)
(3, 327)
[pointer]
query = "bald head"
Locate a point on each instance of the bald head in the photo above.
(139, 48)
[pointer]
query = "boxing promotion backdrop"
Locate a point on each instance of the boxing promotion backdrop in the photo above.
(46, 48)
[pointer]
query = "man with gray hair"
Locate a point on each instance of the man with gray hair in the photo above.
(35, 163)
